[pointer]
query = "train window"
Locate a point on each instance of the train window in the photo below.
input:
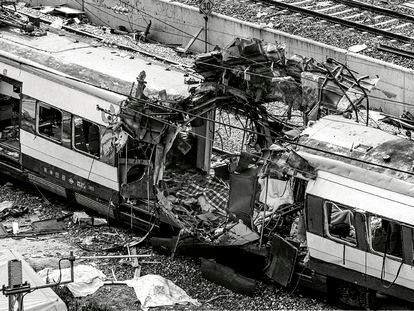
(86, 136)
(385, 236)
(339, 222)
(28, 114)
(50, 122)
(108, 153)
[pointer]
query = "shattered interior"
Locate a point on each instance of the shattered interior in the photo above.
(251, 198)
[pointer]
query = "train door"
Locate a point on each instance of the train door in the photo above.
(390, 259)
(10, 106)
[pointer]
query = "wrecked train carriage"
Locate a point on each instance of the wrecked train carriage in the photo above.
(359, 211)
(354, 235)
(60, 115)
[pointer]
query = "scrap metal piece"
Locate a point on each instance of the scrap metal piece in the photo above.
(283, 261)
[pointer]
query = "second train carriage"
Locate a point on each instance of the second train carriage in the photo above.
(359, 210)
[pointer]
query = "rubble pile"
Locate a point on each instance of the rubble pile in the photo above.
(256, 72)
(244, 212)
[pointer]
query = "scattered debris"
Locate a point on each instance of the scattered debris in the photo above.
(227, 277)
(357, 48)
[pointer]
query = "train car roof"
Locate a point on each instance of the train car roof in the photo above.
(101, 66)
(365, 154)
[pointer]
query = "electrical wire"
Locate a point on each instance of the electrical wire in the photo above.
(253, 132)
(230, 68)
(223, 67)
(119, 18)
(305, 146)
(281, 139)
(227, 50)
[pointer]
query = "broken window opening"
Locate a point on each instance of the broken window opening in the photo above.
(49, 122)
(86, 136)
(222, 132)
(9, 120)
(385, 236)
(10, 92)
(135, 170)
(340, 223)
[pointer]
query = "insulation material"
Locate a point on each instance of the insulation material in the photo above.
(39, 300)
(278, 192)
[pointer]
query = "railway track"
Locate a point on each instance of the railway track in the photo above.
(396, 51)
(381, 22)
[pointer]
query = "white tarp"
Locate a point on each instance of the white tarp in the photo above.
(87, 279)
(155, 291)
(40, 300)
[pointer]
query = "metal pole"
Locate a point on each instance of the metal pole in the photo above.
(264, 211)
(83, 5)
(112, 257)
(205, 33)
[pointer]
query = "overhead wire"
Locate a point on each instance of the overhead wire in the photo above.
(190, 35)
(281, 139)
(256, 133)
(181, 111)
(231, 68)
(96, 6)
(227, 50)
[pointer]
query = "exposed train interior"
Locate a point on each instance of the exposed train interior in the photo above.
(10, 91)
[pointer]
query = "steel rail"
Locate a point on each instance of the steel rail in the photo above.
(396, 51)
(379, 10)
(340, 21)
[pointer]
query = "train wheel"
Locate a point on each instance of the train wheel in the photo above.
(352, 295)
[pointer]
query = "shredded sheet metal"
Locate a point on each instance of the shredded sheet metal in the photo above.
(155, 291)
(87, 278)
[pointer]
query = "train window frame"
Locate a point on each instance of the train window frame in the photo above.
(39, 105)
(371, 237)
(354, 242)
(74, 138)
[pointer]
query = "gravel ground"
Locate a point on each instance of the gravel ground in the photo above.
(311, 28)
(278, 19)
(44, 251)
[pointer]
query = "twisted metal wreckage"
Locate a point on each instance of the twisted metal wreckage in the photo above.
(217, 217)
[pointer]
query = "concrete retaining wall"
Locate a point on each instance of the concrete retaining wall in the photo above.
(175, 23)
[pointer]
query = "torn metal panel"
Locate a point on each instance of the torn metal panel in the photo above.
(261, 73)
(283, 261)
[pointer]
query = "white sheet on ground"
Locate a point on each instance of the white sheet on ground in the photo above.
(87, 279)
(39, 300)
(154, 291)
